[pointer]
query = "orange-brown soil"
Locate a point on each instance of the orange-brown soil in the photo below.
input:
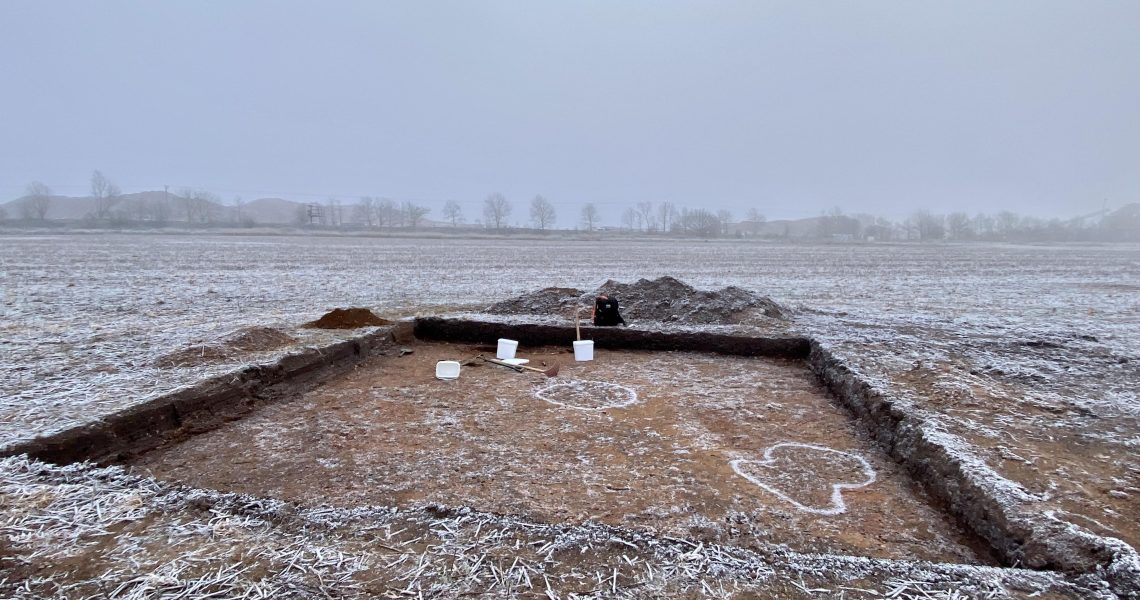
(633, 439)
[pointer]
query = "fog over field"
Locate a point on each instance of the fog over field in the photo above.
(879, 265)
(786, 108)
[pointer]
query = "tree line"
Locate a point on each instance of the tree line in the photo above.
(1122, 224)
(202, 208)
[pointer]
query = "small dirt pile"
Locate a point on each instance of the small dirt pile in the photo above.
(664, 299)
(347, 318)
(242, 341)
(258, 339)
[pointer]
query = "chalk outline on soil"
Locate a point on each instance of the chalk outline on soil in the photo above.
(837, 504)
(578, 384)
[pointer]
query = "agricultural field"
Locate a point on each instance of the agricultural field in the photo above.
(1027, 355)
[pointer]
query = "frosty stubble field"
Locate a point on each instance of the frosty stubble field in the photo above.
(86, 317)
(1029, 322)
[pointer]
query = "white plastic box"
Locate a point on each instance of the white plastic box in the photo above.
(447, 369)
(584, 350)
(506, 348)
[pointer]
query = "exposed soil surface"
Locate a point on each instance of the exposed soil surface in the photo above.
(747, 452)
(663, 299)
(348, 318)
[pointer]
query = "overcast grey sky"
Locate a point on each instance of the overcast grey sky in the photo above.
(788, 107)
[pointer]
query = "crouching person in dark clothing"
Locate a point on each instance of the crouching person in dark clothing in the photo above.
(606, 311)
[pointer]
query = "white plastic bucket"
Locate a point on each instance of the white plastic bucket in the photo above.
(506, 348)
(447, 369)
(584, 350)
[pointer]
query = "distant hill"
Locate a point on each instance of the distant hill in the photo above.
(59, 207)
(272, 211)
(77, 208)
(152, 206)
(1123, 224)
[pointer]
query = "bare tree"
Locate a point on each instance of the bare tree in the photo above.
(701, 222)
(983, 225)
(755, 220)
(590, 216)
(186, 199)
(496, 209)
(666, 214)
(958, 226)
(542, 212)
(725, 219)
(199, 206)
(210, 206)
(104, 192)
(645, 212)
(453, 212)
(414, 213)
(38, 202)
(159, 211)
(1007, 222)
(239, 216)
(334, 212)
(365, 211)
(386, 213)
(397, 216)
(629, 218)
(928, 225)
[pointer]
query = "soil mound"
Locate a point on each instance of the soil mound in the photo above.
(193, 356)
(247, 339)
(347, 318)
(668, 299)
(663, 299)
(548, 301)
(258, 339)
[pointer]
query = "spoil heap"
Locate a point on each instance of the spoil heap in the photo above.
(663, 299)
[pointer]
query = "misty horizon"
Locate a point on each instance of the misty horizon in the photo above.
(791, 109)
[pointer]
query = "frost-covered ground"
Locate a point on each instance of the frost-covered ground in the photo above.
(84, 533)
(1030, 353)
(83, 318)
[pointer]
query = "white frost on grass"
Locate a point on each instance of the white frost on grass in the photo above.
(82, 317)
(134, 537)
(837, 505)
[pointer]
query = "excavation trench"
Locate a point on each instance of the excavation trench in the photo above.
(730, 438)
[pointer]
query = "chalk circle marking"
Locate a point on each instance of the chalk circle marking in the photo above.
(587, 395)
(837, 505)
